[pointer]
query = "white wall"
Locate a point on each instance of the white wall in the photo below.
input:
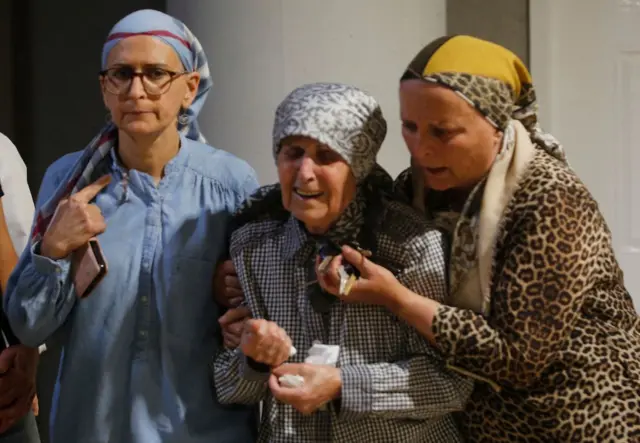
(259, 50)
(587, 74)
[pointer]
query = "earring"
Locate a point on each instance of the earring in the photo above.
(183, 118)
(107, 118)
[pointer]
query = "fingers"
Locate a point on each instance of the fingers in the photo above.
(274, 384)
(232, 334)
(357, 259)
(289, 368)
(228, 290)
(236, 301)
(18, 408)
(235, 328)
(16, 392)
(230, 341)
(284, 394)
(234, 315)
(8, 396)
(88, 193)
(7, 359)
(35, 406)
(95, 220)
(284, 351)
(232, 283)
(281, 393)
(230, 297)
(329, 279)
(332, 270)
(255, 326)
(227, 267)
(298, 397)
(265, 342)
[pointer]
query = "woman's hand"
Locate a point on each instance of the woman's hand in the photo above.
(75, 222)
(376, 285)
(322, 384)
(226, 286)
(265, 342)
(18, 366)
(232, 324)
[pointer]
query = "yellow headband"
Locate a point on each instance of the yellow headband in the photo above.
(470, 55)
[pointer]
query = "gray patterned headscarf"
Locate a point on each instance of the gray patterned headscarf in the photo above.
(346, 120)
(342, 117)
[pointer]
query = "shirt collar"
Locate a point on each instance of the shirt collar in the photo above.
(180, 159)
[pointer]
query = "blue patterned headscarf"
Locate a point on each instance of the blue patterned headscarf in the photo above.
(175, 34)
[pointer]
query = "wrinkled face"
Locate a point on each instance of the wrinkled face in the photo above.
(448, 138)
(317, 184)
(150, 104)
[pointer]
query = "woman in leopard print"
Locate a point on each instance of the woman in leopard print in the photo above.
(537, 311)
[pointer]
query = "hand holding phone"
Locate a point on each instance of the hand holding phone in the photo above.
(88, 267)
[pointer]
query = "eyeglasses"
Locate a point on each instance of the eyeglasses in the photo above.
(155, 80)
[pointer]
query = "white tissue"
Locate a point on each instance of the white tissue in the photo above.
(291, 380)
(318, 354)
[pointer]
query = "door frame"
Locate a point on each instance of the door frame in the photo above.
(541, 57)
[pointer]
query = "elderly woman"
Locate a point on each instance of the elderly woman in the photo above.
(388, 385)
(136, 349)
(540, 314)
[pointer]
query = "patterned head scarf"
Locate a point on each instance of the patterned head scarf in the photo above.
(346, 120)
(488, 76)
(170, 31)
(342, 117)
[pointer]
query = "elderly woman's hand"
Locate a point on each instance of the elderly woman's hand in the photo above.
(322, 384)
(226, 286)
(75, 222)
(376, 285)
(265, 342)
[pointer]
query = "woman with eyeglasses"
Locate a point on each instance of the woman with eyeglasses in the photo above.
(137, 346)
(389, 385)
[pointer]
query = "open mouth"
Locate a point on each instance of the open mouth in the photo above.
(307, 194)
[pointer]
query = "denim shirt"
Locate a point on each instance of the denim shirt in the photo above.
(136, 351)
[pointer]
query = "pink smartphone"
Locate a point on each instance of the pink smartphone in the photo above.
(88, 267)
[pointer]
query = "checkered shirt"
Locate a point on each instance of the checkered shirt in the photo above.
(395, 387)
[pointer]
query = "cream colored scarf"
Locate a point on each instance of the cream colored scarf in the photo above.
(475, 235)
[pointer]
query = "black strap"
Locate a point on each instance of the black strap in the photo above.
(7, 333)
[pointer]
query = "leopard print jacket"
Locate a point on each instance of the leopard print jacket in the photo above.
(560, 342)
